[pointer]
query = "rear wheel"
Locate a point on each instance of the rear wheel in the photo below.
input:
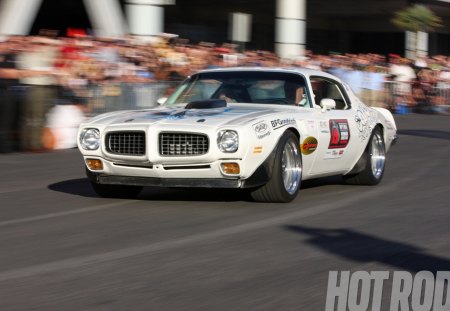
(375, 158)
(286, 173)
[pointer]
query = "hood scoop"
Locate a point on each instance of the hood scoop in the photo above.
(207, 104)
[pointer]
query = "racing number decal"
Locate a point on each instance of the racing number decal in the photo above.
(340, 134)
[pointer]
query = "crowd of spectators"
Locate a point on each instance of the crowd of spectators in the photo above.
(40, 73)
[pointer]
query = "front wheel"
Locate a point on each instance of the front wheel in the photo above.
(286, 174)
(375, 158)
(113, 191)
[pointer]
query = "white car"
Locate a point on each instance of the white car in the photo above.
(262, 129)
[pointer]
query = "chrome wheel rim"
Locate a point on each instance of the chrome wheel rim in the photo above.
(291, 167)
(378, 155)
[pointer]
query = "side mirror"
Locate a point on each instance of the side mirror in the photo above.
(161, 101)
(327, 104)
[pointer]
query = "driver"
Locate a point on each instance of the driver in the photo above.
(296, 94)
(227, 95)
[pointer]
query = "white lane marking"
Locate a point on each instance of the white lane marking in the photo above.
(66, 213)
(76, 262)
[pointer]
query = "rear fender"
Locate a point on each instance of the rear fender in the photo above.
(362, 161)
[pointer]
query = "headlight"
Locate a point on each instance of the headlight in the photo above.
(90, 139)
(228, 141)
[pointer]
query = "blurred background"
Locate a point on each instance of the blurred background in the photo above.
(65, 248)
(64, 61)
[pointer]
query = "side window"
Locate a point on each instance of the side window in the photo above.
(325, 88)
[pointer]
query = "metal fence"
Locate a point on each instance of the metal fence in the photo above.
(58, 126)
(397, 96)
(403, 97)
(123, 96)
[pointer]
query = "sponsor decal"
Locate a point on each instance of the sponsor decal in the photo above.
(309, 145)
(365, 290)
(323, 125)
(311, 124)
(365, 119)
(257, 150)
(276, 124)
(333, 154)
(261, 129)
(340, 134)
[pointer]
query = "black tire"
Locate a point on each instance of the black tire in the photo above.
(113, 191)
(275, 190)
(374, 158)
(116, 191)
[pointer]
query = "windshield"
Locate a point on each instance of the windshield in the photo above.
(244, 87)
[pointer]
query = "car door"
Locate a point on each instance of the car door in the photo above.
(337, 144)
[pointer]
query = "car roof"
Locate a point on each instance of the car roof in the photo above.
(303, 71)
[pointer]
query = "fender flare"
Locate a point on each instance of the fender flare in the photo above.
(361, 164)
(264, 172)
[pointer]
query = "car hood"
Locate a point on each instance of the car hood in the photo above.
(194, 117)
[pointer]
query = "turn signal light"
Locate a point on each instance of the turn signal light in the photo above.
(94, 164)
(230, 168)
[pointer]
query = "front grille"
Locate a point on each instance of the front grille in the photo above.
(183, 144)
(126, 143)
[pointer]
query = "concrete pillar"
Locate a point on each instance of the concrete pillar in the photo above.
(146, 17)
(416, 44)
(106, 17)
(422, 44)
(290, 28)
(410, 44)
(17, 16)
(240, 29)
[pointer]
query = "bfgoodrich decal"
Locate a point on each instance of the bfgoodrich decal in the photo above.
(340, 134)
(276, 124)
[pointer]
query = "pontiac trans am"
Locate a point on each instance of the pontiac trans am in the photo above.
(260, 129)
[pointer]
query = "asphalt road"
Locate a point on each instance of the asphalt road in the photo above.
(63, 248)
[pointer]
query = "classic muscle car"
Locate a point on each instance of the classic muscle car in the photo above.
(261, 129)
